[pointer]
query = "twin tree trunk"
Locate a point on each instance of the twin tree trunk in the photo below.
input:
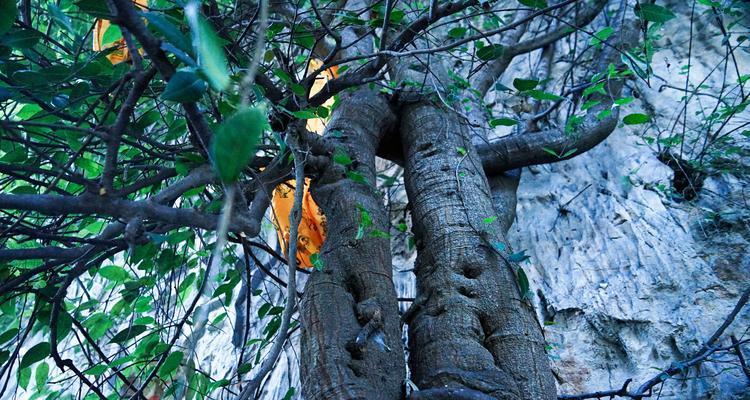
(471, 333)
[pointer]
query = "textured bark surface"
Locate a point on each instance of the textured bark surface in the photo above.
(469, 327)
(350, 305)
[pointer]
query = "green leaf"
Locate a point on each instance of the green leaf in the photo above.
(356, 177)
(461, 151)
(523, 85)
(304, 114)
(185, 284)
(457, 33)
(490, 52)
(24, 376)
(41, 375)
(282, 75)
(184, 86)
(377, 233)
(340, 157)
(114, 273)
(602, 35)
(38, 352)
(128, 333)
(161, 24)
(170, 364)
(569, 153)
(20, 38)
(111, 35)
(502, 122)
(519, 257)
(289, 394)
(316, 261)
(636, 118)
(523, 283)
(8, 13)
(211, 57)
(653, 12)
(4, 355)
(8, 335)
(489, 220)
(542, 95)
(96, 370)
(96, 8)
(234, 144)
(534, 3)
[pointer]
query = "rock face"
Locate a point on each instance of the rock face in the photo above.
(627, 280)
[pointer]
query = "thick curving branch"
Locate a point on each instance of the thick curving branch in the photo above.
(532, 148)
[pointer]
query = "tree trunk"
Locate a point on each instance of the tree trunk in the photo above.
(351, 337)
(470, 327)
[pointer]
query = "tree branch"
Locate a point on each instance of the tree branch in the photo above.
(532, 148)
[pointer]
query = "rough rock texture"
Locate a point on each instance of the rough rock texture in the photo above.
(631, 280)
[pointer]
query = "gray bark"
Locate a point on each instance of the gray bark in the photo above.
(470, 327)
(349, 307)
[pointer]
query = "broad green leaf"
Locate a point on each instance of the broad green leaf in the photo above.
(523, 283)
(502, 122)
(234, 144)
(170, 364)
(8, 13)
(184, 86)
(653, 12)
(305, 114)
(489, 220)
(542, 95)
(457, 33)
(8, 335)
(490, 52)
(38, 352)
(523, 85)
(602, 35)
(635, 119)
(185, 284)
(111, 35)
(63, 19)
(96, 8)
(282, 75)
(340, 157)
(128, 333)
(96, 370)
(534, 3)
(357, 177)
(24, 377)
(211, 57)
(114, 273)
(160, 23)
(41, 375)
(20, 38)
(303, 37)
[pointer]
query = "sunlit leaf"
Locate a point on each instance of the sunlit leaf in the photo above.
(636, 118)
(235, 141)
